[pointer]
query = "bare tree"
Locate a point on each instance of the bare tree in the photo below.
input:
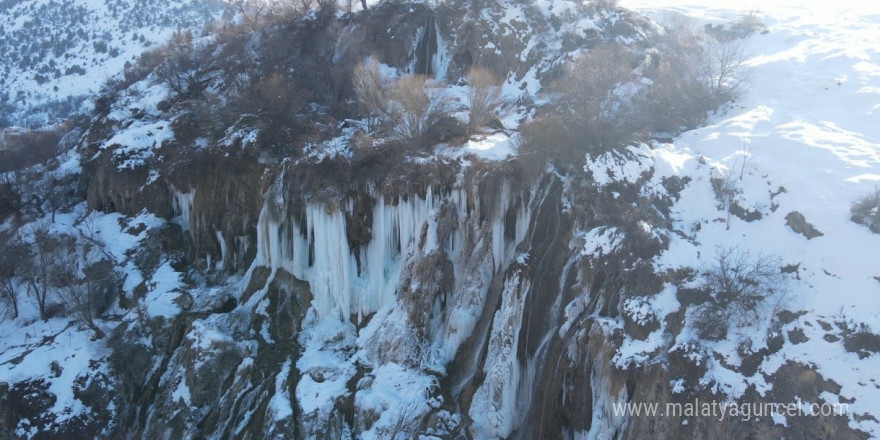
(38, 270)
(302, 7)
(740, 288)
(371, 91)
(275, 98)
(729, 184)
(12, 253)
(605, 4)
(418, 106)
(252, 12)
(695, 73)
(255, 13)
(10, 197)
(77, 271)
(407, 108)
(588, 114)
(724, 64)
(678, 94)
(589, 106)
(54, 195)
(327, 5)
(484, 93)
(84, 285)
(187, 67)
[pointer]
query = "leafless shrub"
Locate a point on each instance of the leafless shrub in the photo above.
(747, 24)
(866, 211)
(406, 109)
(12, 253)
(726, 189)
(589, 114)
(371, 90)
(742, 290)
(10, 197)
(484, 93)
(750, 22)
(418, 106)
(83, 284)
(274, 99)
(252, 13)
(257, 13)
(327, 6)
(143, 66)
(302, 7)
(724, 66)
(728, 185)
(187, 67)
(693, 75)
(39, 267)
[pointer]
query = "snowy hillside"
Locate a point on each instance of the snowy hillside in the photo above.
(308, 227)
(57, 52)
(807, 135)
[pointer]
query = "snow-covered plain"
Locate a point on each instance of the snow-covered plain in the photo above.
(808, 122)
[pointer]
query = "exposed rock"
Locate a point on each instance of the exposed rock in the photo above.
(799, 224)
(797, 336)
(111, 189)
(20, 148)
(862, 342)
(866, 211)
(787, 316)
(745, 214)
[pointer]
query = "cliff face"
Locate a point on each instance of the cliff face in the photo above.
(450, 299)
(438, 308)
(462, 309)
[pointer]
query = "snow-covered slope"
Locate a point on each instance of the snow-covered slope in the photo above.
(56, 52)
(806, 133)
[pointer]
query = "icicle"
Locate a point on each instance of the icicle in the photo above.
(337, 286)
(222, 263)
(439, 61)
(498, 240)
(242, 244)
(182, 204)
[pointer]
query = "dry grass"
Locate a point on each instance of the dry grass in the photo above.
(484, 93)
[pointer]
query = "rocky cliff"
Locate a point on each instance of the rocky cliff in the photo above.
(286, 273)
